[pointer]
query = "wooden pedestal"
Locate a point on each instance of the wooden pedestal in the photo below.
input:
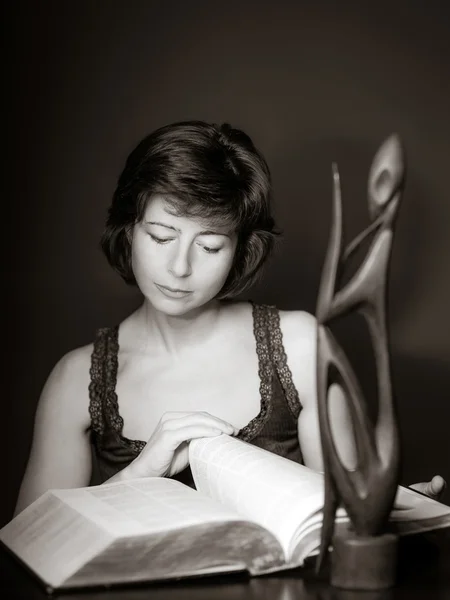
(364, 563)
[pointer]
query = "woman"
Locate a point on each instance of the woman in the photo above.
(190, 224)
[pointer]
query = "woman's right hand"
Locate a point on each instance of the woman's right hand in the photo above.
(167, 451)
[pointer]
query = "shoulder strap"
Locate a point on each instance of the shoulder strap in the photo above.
(265, 371)
(279, 360)
(103, 405)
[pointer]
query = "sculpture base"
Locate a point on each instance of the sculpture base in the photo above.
(364, 562)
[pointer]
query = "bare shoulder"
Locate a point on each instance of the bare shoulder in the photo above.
(299, 331)
(72, 367)
(68, 383)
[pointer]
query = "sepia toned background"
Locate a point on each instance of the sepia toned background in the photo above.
(312, 82)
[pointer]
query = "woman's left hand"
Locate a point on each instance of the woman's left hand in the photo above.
(434, 488)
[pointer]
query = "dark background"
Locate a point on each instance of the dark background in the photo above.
(311, 82)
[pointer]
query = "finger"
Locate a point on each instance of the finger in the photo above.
(191, 432)
(173, 414)
(205, 417)
(437, 485)
(420, 487)
(221, 422)
(180, 459)
(433, 488)
(200, 418)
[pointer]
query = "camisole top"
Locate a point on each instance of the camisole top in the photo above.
(273, 429)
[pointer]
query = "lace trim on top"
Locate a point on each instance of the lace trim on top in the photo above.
(265, 371)
(270, 351)
(102, 388)
(279, 359)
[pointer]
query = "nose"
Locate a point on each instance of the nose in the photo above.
(180, 263)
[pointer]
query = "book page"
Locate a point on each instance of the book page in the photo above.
(272, 491)
(143, 506)
(67, 530)
(186, 551)
(414, 512)
(53, 539)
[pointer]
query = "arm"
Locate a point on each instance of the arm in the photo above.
(60, 453)
(299, 336)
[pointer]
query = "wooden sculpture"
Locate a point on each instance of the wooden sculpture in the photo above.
(364, 557)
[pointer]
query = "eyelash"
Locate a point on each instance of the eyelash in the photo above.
(160, 240)
(163, 241)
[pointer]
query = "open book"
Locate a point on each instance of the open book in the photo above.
(253, 511)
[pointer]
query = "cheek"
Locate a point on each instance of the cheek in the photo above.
(144, 262)
(217, 271)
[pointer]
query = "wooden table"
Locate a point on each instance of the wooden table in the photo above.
(424, 573)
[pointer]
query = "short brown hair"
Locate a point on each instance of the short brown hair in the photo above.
(204, 170)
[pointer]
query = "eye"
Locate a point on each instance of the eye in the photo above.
(211, 250)
(159, 240)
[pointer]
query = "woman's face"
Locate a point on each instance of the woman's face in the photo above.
(179, 263)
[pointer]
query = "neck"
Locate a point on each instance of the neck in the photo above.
(176, 335)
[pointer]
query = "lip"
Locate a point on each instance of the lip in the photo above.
(173, 292)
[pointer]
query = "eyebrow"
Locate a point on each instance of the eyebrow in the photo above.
(204, 232)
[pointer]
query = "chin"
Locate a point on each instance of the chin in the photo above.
(178, 307)
(174, 307)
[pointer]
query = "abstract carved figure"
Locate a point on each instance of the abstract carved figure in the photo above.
(364, 557)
